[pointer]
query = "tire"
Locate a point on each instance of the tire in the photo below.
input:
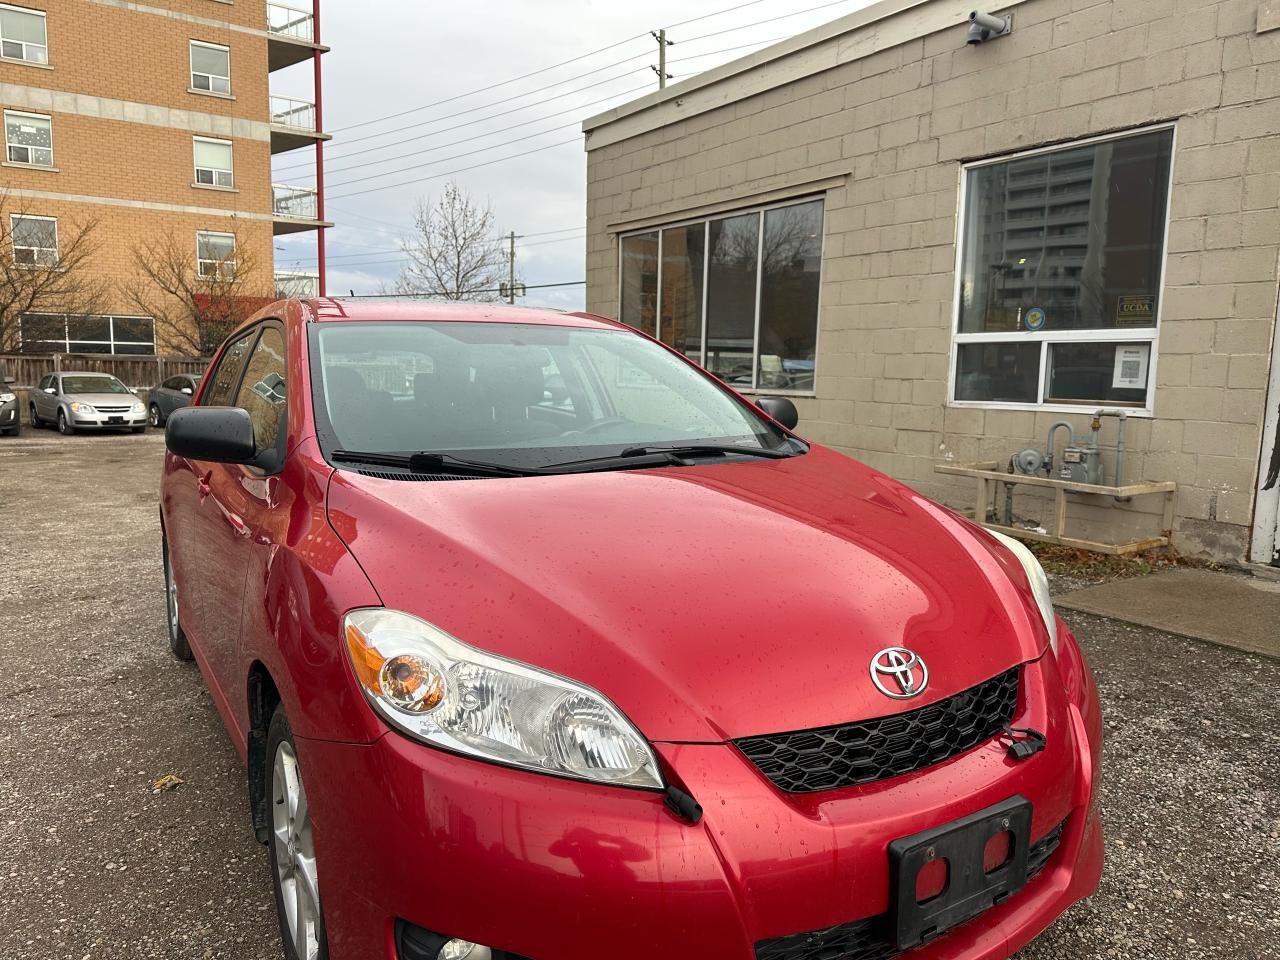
(65, 426)
(153, 416)
(291, 848)
(178, 644)
(36, 422)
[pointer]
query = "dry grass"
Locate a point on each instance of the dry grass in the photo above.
(1072, 562)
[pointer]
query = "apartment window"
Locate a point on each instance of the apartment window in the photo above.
(35, 240)
(216, 255)
(1060, 267)
(22, 35)
(58, 333)
(736, 293)
(28, 138)
(213, 163)
(210, 67)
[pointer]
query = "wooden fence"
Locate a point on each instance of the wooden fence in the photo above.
(27, 368)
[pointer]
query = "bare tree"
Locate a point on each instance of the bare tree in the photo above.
(195, 300)
(45, 268)
(453, 252)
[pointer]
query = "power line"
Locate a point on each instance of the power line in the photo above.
(450, 173)
(718, 13)
(785, 16)
(494, 86)
(356, 259)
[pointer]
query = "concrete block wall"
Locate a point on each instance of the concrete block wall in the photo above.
(896, 126)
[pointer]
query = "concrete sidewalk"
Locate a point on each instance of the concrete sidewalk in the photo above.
(1233, 610)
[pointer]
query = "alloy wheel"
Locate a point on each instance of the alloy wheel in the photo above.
(295, 855)
(171, 595)
(63, 427)
(153, 417)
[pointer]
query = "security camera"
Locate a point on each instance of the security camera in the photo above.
(984, 26)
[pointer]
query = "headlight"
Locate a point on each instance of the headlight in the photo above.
(1039, 582)
(6, 397)
(443, 692)
(137, 407)
(82, 408)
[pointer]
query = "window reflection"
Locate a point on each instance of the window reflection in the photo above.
(731, 297)
(639, 306)
(791, 260)
(683, 250)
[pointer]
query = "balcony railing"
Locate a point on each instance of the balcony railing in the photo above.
(297, 284)
(292, 112)
(290, 22)
(297, 202)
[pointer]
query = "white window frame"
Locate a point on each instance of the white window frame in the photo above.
(43, 59)
(7, 145)
(36, 264)
(201, 261)
(705, 220)
(214, 171)
(193, 72)
(1149, 335)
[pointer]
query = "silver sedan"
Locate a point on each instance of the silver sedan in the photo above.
(86, 401)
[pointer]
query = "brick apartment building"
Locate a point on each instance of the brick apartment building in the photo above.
(149, 119)
(939, 249)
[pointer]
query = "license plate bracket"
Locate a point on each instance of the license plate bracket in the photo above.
(969, 889)
(115, 419)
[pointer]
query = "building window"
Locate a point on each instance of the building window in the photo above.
(28, 138)
(35, 240)
(57, 333)
(213, 163)
(216, 255)
(1061, 259)
(736, 293)
(22, 35)
(210, 67)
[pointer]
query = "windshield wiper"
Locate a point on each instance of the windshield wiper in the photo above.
(633, 458)
(708, 449)
(428, 462)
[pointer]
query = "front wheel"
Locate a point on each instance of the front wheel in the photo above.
(153, 416)
(178, 644)
(34, 417)
(64, 425)
(293, 852)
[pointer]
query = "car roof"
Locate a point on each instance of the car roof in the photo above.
(84, 373)
(326, 309)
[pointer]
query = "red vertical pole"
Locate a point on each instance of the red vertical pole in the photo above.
(319, 95)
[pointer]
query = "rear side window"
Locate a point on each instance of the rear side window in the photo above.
(262, 391)
(228, 373)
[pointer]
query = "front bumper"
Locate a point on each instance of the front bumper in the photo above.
(557, 870)
(108, 421)
(9, 417)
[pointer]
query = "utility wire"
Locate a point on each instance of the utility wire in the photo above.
(349, 260)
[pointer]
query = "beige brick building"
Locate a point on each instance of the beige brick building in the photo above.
(939, 249)
(148, 119)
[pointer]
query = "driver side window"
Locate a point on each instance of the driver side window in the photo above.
(262, 392)
(228, 373)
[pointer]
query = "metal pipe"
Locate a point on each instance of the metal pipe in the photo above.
(1048, 447)
(1123, 417)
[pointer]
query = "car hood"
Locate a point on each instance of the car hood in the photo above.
(102, 399)
(708, 602)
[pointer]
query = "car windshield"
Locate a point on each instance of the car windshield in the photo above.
(520, 395)
(91, 384)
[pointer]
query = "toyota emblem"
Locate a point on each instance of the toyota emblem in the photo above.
(899, 673)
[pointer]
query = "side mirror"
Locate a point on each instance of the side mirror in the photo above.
(50, 390)
(187, 391)
(781, 409)
(133, 390)
(217, 434)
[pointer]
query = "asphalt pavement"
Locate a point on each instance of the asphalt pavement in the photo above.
(95, 863)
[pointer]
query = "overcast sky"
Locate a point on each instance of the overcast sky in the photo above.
(428, 62)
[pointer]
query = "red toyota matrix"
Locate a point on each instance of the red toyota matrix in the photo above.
(540, 642)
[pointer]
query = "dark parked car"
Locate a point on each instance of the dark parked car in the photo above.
(10, 422)
(169, 396)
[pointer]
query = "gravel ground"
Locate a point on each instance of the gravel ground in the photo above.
(94, 864)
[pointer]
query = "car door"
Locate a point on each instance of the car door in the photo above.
(164, 398)
(46, 403)
(203, 542)
(184, 391)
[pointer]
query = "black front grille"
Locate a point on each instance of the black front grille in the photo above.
(870, 939)
(807, 761)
